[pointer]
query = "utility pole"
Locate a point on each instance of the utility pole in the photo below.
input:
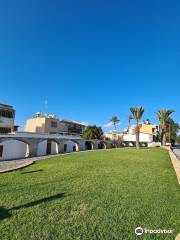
(45, 106)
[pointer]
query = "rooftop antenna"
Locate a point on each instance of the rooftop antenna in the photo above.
(46, 105)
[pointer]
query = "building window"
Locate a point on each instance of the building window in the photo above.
(6, 114)
(54, 124)
(1, 150)
(5, 130)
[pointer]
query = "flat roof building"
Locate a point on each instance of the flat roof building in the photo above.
(50, 124)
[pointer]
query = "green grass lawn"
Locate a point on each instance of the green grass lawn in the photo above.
(91, 195)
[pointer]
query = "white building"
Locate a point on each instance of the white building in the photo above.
(143, 137)
(15, 149)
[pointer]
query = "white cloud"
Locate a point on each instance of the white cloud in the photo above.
(84, 123)
(108, 125)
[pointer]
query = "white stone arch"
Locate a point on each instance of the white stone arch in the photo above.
(89, 145)
(14, 149)
(41, 148)
(71, 146)
(113, 145)
(102, 145)
(47, 147)
(55, 146)
(123, 144)
(131, 144)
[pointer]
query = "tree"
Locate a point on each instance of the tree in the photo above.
(178, 139)
(130, 117)
(163, 117)
(172, 130)
(137, 113)
(114, 120)
(93, 132)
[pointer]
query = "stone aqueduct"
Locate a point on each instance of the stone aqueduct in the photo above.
(33, 139)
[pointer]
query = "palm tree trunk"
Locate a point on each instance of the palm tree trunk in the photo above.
(137, 136)
(164, 139)
(163, 136)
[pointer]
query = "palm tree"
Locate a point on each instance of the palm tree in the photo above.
(163, 117)
(137, 113)
(130, 117)
(114, 120)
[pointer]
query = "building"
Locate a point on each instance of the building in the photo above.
(41, 126)
(143, 137)
(50, 124)
(7, 117)
(114, 135)
(148, 133)
(146, 128)
(73, 127)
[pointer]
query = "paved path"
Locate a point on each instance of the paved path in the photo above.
(7, 166)
(177, 152)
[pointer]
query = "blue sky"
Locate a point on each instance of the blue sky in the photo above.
(90, 59)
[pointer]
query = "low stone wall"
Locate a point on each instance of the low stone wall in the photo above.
(178, 237)
(176, 164)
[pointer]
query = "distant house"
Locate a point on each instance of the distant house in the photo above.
(114, 135)
(144, 128)
(148, 133)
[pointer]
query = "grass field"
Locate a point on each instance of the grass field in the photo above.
(91, 195)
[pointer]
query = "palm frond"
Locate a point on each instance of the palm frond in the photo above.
(137, 112)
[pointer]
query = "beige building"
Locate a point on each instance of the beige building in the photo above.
(148, 133)
(114, 135)
(52, 125)
(144, 128)
(44, 124)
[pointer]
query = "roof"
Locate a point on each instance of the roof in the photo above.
(114, 132)
(6, 106)
(70, 121)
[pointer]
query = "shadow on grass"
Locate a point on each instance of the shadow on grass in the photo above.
(6, 213)
(40, 170)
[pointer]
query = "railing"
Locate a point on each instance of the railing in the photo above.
(40, 135)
